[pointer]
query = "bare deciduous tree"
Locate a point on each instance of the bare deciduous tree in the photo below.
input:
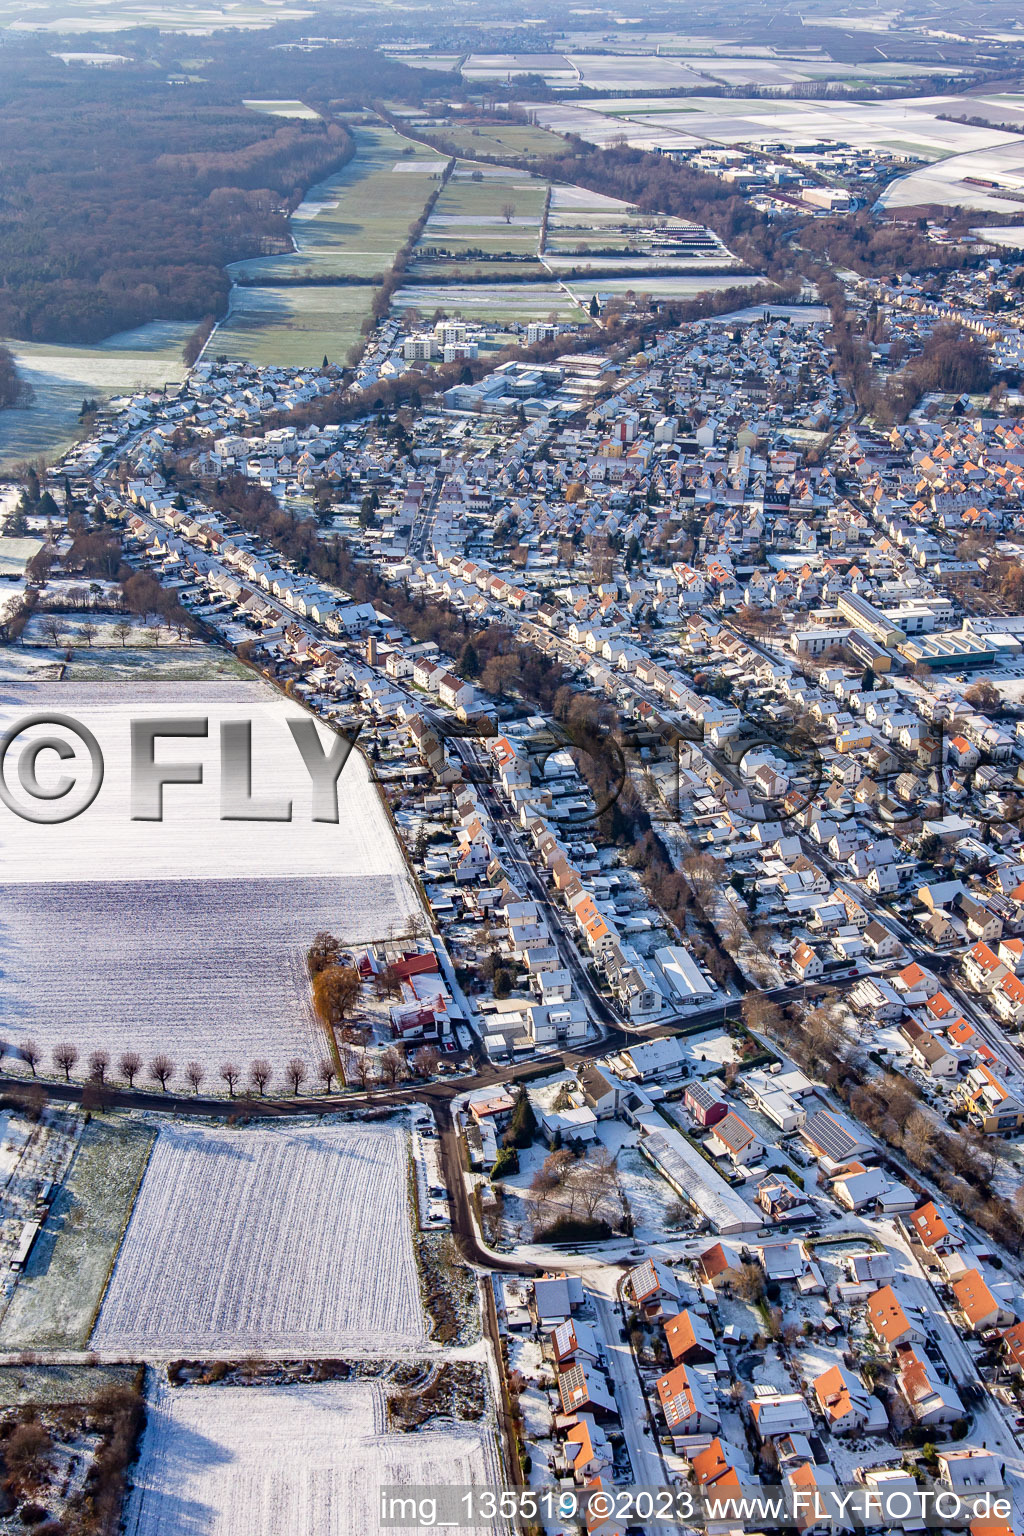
(392, 1065)
(388, 983)
(99, 1061)
(760, 1012)
(87, 632)
(322, 952)
(161, 1070)
(296, 1073)
(230, 1073)
(64, 1056)
(123, 629)
(750, 1282)
(194, 1074)
(326, 1071)
(358, 1068)
(508, 212)
(704, 876)
(594, 1180)
(260, 1072)
(53, 628)
(130, 1065)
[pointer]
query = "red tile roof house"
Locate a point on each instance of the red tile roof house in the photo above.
(806, 963)
(926, 1228)
(889, 1323)
(689, 1339)
(717, 1267)
(847, 1404)
(1013, 1349)
(930, 1401)
(686, 1410)
(976, 1304)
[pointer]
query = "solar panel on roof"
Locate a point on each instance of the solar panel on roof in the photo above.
(572, 1387)
(565, 1338)
(644, 1279)
(832, 1138)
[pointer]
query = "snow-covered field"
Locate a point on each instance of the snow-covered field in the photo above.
(192, 842)
(204, 970)
(277, 1239)
(188, 935)
(309, 1460)
(915, 127)
(61, 377)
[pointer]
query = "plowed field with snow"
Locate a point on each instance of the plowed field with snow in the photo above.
(276, 1239)
(301, 1460)
(186, 935)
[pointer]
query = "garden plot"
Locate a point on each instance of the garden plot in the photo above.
(259, 1461)
(650, 1197)
(101, 629)
(588, 225)
(268, 1240)
(495, 212)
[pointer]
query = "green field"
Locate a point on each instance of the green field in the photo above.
(352, 224)
(57, 1298)
(171, 663)
(471, 212)
(61, 377)
(504, 139)
(52, 1385)
(447, 269)
(296, 326)
(492, 301)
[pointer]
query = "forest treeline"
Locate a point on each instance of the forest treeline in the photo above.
(13, 389)
(123, 196)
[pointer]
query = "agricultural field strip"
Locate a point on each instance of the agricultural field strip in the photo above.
(276, 1239)
(192, 842)
(158, 936)
(56, 1300)
(351, 225)
(204, 970)
(62, 377)
(257, 1461)
(734, 121)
